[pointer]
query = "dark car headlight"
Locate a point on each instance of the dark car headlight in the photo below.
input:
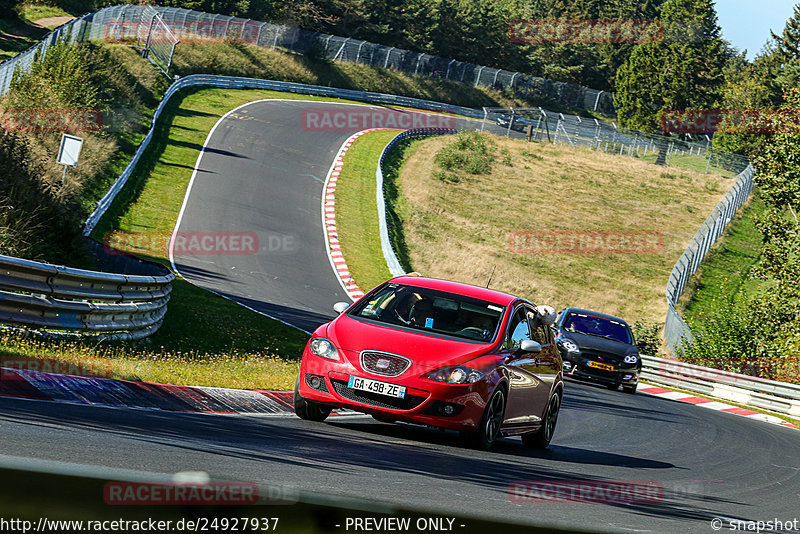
(324, 348)
(631, 359)
(569, 345)
(458, 374)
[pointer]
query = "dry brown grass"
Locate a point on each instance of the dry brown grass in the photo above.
(459, 231)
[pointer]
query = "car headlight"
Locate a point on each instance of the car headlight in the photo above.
(569, 345)
(323, 347)
(631, 358)
(455, 375)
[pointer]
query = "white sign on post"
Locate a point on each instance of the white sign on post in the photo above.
(68, 152)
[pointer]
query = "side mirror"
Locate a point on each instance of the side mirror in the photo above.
(547, 314)
(339, 307)
(530, 346)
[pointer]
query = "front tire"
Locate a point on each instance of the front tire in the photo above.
(541, 438)
(309, 410)
(629, 389)
(488, 429)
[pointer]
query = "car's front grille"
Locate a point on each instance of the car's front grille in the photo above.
(384, 363)
(373, 399)
(602, 357)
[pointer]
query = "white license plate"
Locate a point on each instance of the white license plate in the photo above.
(373, 386)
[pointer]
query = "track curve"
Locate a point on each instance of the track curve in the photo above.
(262, 172)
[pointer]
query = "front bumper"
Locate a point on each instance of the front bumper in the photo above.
(579, 368)
(451, 406)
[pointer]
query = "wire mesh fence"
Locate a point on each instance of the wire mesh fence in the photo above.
(137, 22)
(688, 152)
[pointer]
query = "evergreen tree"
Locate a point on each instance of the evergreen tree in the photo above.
(682, 71)
(787, 53)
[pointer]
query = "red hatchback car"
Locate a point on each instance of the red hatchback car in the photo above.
(439, 353)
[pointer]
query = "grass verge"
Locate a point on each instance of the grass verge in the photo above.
(726, 270)
(357, 213)
(234, 369)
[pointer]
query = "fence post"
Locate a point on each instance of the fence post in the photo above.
(478, 77)
(708, 164)
(597, 101)
(388, 54)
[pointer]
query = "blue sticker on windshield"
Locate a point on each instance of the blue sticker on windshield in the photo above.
(429, 322)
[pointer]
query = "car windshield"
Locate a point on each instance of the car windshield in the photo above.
(597, 326)
(432, 311)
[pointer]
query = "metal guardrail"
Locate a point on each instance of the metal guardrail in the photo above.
(63, 299)
(386, 245)
(758, 393)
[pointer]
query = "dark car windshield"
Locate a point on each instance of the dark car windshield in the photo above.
(597, 326)
(432, 311)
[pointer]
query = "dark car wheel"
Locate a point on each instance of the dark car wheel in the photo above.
(629, 389)
(488, 430)
(542, 437)
(306, 409)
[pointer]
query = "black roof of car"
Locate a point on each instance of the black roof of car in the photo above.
(594, 313)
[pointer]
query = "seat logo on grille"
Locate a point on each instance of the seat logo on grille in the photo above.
(383, 364)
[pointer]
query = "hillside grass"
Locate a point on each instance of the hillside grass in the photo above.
(459, 226)
(726, 271)
(235, 59)
(692, 162)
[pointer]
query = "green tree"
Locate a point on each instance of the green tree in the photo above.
(682, 71)
(764, 329)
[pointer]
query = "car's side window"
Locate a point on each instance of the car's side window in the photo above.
(518, 330)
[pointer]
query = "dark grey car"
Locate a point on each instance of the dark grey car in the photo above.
(598, 347)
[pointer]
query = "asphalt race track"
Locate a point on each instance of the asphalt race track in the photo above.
(710, 464)
(262, 174)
